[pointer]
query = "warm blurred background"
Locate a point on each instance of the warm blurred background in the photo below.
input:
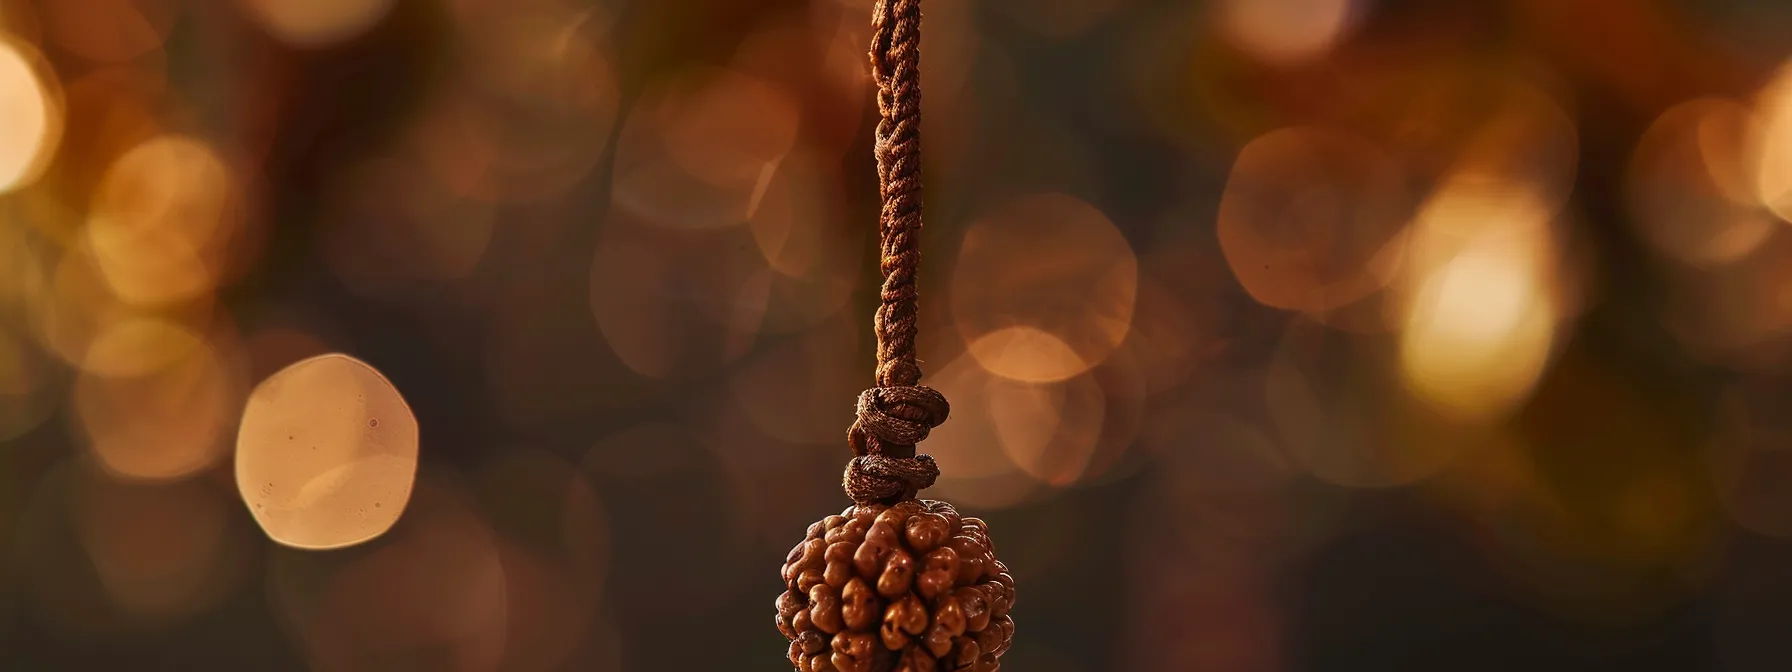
(1280, 334)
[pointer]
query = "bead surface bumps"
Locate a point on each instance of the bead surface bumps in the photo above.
(911, 587)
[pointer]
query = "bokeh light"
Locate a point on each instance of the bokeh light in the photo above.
(316, 23)
(31, 104)
(108, 30)
(1310, 219)
(1481, 322)
(726, 127)
(703, 150)
(1688, 185)
(20, 19)
(816, 61)
(435, 591)
(326, 453)
(161, 218)
(159, 422)
(1768, 145)
(1070, 306)
(673, 304)
(1282, 31)
(975, 468)
(531, 115)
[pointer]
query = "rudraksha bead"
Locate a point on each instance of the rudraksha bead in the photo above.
(911, 587)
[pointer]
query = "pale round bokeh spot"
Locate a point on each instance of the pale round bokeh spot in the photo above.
(1028, 353)
(162, 424)
(1282, 31)
(977, 469)
(1311, 219)
(139, 345)
(1481, 317)
(706, 149)
(326, 454)
(724, 126)
(1479, 334)
(1044, 288)
(31, 107)
(1687, 188)
(1770, 145)
(159, 221)
(531, 116)
(316, 23)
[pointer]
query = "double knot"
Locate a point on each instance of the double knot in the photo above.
(891, 420)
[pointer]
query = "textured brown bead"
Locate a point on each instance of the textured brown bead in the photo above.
(927, 531)
(812, 642)
(801, 622)
(898, 576)
(975, 607)
(852, 531)
(902, 621)
(859, 606)
(916, 659)
(878, 588)
(948, 624)
(789, 605)
(938, 572)
(1005, 626)
(965, 654)
(970, 560)
(988, 639)
(838, 569)
(824, 608)
(898, 515)
(854, 651)
(879, 543)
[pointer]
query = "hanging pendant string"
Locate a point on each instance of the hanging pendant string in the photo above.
(896, 67)
(899, 412)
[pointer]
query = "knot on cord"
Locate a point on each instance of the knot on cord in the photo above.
(876, 478)
(891, 420)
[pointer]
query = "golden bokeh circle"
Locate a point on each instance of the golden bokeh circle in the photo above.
(160, 219)
(326, 454)
(1044, 288)
(31, 103)
(316, 23)
(1310, 218)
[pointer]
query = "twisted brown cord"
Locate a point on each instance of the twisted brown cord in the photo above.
(897, 414)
